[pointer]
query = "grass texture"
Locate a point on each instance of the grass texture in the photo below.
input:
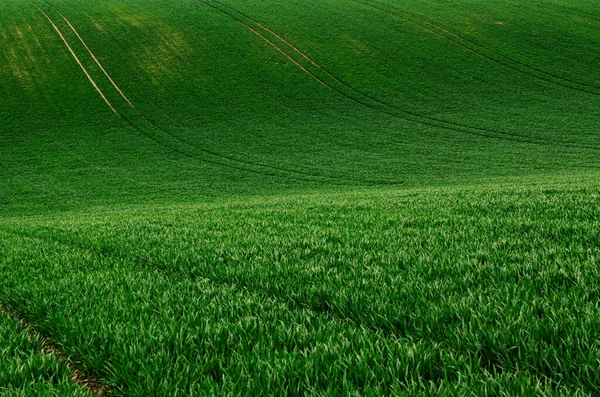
(453, 291)
(26, 370)
(208, 99)
(333, 197)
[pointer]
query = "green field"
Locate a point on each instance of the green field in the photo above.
(334, 197)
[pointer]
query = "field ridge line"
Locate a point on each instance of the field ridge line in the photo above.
(185, 143)
(238, 284)
(545, 76)
(79, 62)
(283, 52)
(160, 129)
(585, 14)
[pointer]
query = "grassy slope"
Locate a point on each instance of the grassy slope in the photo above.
(383, 278)
(460, 289)
(232, 115)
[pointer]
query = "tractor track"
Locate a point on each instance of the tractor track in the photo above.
(78, 377)
(293, 303)
(94, 58)
(586, 14)
(186, 149)
(78, 61)
(370, 101)
(480, 50)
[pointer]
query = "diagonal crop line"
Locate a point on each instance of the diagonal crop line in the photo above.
(185, 149)
(586, 14)
(302, 54)
(345, 94)
(533, 70)
(297, 175)
(95, 59)
(368, 102)
(284, 53)
(78, 61)
(372, 102)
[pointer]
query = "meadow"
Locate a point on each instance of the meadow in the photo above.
(337, 197)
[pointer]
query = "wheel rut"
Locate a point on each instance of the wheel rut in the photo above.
(483, 51)
(94, 385)
(293, 303)
(85, 71)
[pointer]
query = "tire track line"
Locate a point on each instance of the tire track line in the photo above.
(94, 58)
(79, 62)
(139, 129)
(585, 14)
(144, 133)
(128, 101)
(549, 75)
(78, 377)
(546, 76)
(432, 121)
(348, 96)
(294, 303)
(194, 146)
(408, 115)
(297, 174)
(284, 53)
(185, 149)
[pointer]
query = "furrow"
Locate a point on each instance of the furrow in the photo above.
(330, 180)
(95, 59)
(187, 154)
(240, 285)
(95, 386)
(297, 174)
(570, 10)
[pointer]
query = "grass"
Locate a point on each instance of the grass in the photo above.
(26, 369)
(342, 197)
(397, 291)
(406, 103)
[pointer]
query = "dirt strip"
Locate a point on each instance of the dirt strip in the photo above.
(79, 62)
(97, 388)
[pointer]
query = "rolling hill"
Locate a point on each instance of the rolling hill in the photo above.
(300, 197)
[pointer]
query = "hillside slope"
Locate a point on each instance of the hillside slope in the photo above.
(131, 101)
(332, 197)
